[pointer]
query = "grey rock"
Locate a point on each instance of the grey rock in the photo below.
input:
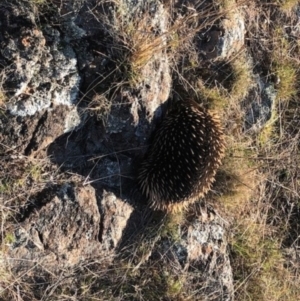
(65, 230)
(62, 232)
(41, 69)
(115, 217)
(73, 120)
(259, 105)
(155, 75)
(203, 252)
(224, 43)
(234, 34)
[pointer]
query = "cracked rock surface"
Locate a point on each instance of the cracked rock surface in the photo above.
(40, 68)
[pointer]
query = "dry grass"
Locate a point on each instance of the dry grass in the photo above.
(250, 196)
(284, 65)
(140, 39)
(258, 183)
(99, 106)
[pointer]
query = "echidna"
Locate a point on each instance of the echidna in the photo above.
(181, 162)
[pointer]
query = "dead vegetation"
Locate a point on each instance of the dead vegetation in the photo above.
(261, 191)
(257, 189)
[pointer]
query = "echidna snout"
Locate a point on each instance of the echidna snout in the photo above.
(181, 162)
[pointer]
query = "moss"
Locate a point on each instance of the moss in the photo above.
(284, 66)
(3, 99)
(5, 186)
(287, 79)
(174, 287)
(287, 5)
(9, 238)
(268, 135)
(171, 227)
(243, 80)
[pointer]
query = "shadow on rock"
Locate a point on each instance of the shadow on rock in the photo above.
(106, 154)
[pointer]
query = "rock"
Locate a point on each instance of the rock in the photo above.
(31, 134)
(202, 251)
(193, 252)
(207, 250)
(62, 232)
(72, 119)
(65, 228)
(223, 43)
(41, 80)
(40, 68)
(258, 105)
(115, 216)
(234, 35)
(149, 70)
(155, 75)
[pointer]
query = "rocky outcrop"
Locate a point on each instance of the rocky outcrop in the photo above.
(54, 75)
(63, 227)
(40, 68)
